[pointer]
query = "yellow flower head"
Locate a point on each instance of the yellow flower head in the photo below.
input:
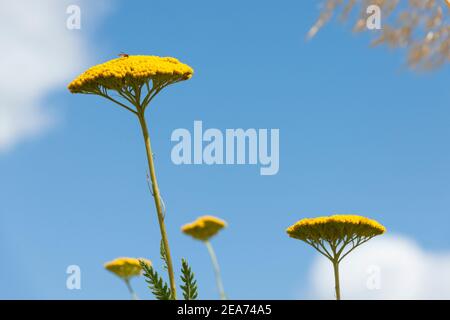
(126, 268)
(334, 228)
(204, 227)
(129, 72)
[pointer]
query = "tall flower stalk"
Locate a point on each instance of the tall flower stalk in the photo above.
(135, 81)
(335, 237)
(203, 229)
(216, 267)
(157, 198)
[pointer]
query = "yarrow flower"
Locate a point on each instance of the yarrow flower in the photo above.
(335, 228)
(135, 80)
(126, 268)
(204, 227)
(336, 236)
(121, 73)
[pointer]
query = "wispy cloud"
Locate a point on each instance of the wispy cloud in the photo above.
(39, 55)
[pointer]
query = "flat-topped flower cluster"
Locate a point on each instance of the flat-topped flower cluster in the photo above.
(335, 227)
(131, 70)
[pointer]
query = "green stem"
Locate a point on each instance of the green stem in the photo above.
(215, 263)
(336, 279)
(157, 198)
(133, 294)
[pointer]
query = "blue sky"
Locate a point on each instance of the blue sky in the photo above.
(358, 134)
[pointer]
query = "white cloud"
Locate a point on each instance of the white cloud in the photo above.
(397, 264)
(38, 55)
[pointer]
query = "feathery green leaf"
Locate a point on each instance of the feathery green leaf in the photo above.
(190, 284)
(156, 284)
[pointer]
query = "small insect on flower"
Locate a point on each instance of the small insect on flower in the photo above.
(123, 55)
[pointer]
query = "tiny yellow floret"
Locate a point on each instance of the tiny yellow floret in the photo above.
(126, 268)
(131, 71)
(204, 227)
(335, 227)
